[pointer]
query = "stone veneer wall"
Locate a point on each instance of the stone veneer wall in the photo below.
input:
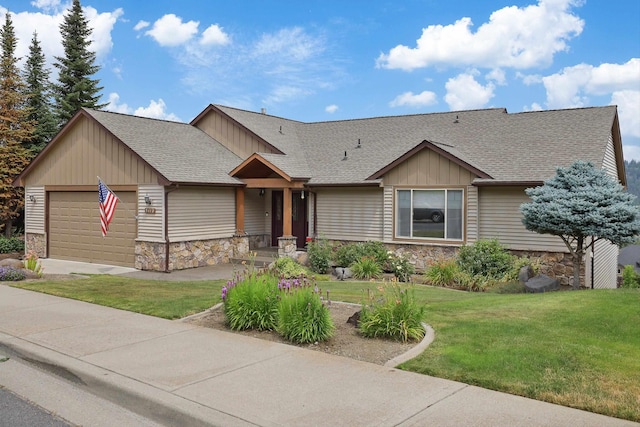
(190, 254)
(257, 241)
(37, 243)
(553, 264)
(287, 247)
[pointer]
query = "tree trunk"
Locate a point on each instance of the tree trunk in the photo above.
(577, 262)
(8, 227)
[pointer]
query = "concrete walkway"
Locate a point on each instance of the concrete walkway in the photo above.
(176, 373)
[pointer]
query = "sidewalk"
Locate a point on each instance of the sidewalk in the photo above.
(176, 373)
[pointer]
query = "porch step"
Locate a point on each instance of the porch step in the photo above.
(263, 257)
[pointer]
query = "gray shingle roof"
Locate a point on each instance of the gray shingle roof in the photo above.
(520, 147)
(180, 152)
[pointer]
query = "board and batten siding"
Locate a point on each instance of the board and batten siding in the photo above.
(34, 212)
(201, 213)
(230, 134)
(428, 168)
(350, 213)
(84, 151)
(151, 225)
(254, 209)
(499, 217)
(605, 254)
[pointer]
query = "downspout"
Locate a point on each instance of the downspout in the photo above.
(166, 228)
(593, 259)
(315, 214)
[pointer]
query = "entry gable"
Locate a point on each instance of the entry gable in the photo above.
(256, 166)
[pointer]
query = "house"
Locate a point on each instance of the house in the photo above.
(629, 255)
(233, 180)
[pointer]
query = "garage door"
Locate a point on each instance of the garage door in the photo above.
(74, 229)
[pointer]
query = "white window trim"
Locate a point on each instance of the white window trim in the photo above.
(446, 201)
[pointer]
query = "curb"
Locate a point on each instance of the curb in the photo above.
(428, 338)
(148, 401)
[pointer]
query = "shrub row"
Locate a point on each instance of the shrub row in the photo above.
(367, 260)
(485, 264)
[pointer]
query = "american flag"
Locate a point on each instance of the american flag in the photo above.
(108, 202)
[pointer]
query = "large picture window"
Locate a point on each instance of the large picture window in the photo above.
(429, 214)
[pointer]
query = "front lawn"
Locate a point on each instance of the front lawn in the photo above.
(578, 348)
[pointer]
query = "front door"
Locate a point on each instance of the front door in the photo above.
(298, 217)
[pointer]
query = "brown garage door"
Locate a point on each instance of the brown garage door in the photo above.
(74, 229)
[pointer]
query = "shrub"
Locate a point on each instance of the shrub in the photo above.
(319, 252)
(10, 274)
(286, 267)
(303, 318)
(251, 302)
(366, 268)
(393, 313)
(350, 253)
(485, 257)
(630, 278)
(517, 264)
(442, 272)
(401, 268)
(13, 244)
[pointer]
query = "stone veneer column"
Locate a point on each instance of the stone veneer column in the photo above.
(37, 243)
(287, 246)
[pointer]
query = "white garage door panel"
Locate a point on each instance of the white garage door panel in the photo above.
(74, 229)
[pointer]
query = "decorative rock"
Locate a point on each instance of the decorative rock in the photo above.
(302, 258)
(355, 318)
(11, 262)
(542, 283)
(343, 273)
(525, 274)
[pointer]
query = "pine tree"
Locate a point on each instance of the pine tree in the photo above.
(76, 88)
(580, 202)
(39, 88)
(16, 129)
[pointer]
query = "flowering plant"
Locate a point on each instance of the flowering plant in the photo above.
(400, 266)
(31, 262)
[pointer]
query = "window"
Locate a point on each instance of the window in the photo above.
(429, 214)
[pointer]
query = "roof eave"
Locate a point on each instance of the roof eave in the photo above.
(506, 183)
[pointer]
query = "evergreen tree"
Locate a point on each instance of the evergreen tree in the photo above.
(16, 130)
(36, 77)
(580, 202)
(76, 88)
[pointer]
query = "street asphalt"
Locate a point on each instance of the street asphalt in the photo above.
(176, 373)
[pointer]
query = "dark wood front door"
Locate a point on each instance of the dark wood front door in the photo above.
(298, 217)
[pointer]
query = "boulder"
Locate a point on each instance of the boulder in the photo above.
(541, 283)
(302, 258)
(525, 274)
(343, 273)
(11, 262)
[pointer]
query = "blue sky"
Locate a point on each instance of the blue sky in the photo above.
(333, 60)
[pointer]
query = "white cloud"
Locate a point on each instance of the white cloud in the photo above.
(498, 76)
(171, 31)
(288, 45)
(422, 99)
(529, 79)
(47, 26)
(283, 93)
(331, 108)
(47, 5)
(571, 87)
(155, 109)
(140, 25)
(214, 35)
(631, 152)
(628, 102)
(464, 92)
(514, 37)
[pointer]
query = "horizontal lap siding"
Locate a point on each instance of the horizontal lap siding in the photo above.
(201, 214)
(34, 211)
(350, 214)
(499, 217)
(472, 214)
(254, 209)
(151, 225)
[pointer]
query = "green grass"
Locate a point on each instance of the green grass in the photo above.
(169, 300)
(578, 348)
